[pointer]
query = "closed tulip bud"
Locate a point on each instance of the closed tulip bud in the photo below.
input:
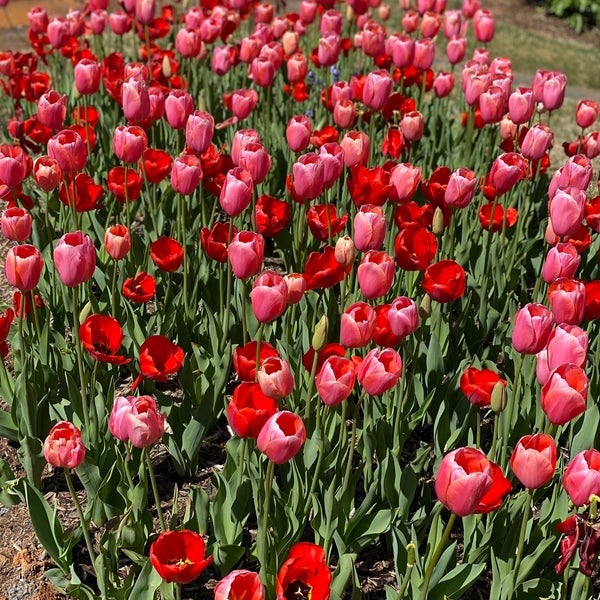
(281, 437)
(188, 42)
(262, 71)
(23, 266)
(533, 325)
(319, 338)
(369, 228)
(75, 258)
(243, 102)
(483, 26)
(403, 317)
(335, 380)
(117, 241)
(537, 142)
(186, 173)
(63, 447)
(275, 378)
(38, 19)
(586, 113)
(467, 482)
(16, 224)
(308, 173)
(344, 251)
(135, 100)
(456, 49)
(246, 253)
(438, 225)
(199, 130)
(521, 104)
(69, 151)
(564, 395)
(498, 397)
(403, 51)
(297, 133)
(144, 11)
(47, 173)
(375, 274)
(179, 105)
(328, 49)
(582, 477)
(424, 54)
(412, 126)
(425, 307)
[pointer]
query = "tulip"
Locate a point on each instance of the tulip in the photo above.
(140, 288)
(58, 31)
(297, 133)
(357, 325)
(576, 172)
(297, 68)
(240, 139)
(379, 371)
(335, 380)
(582, 477)
(467, 482)
(477, 385)
(236, 192)
(135, 100)
(101, 337)
(483, 26)
(533, 325)
(506, 170)
(178, 107)
(262, 71)
(178, 556)
(137, 420)
(275, 377)
(240, 584)
(405, 178)
(533, 460)
(16, 224)
(63, 447)
(186, 174)
(304, 569)
(268, 296)
(403, 317)
(586, 113)
(567, 300)
(412, 126)
(492, 104)
(166, 253)
(249, 409)
(521, 105)
(424, 54)
(52, 109)
(564, 394)
(47, 173)
(562, 260)
(281, 437)
(308, 176)
(356, 146)
(199, 130)
(414, 247)
(246, 253)
(375, 274)
(243, 102)
(456, 49)
(537, 141)
(87, 74)
(445, 281)
(461, 188)
(377, 88)
(369, 228)
(74, 258)
(188, 42)
(38, 19)
(332, 156)
(69, 150)
(256, 160)
(244, 359)
(129, 143)
(567, 208)
(23, 266)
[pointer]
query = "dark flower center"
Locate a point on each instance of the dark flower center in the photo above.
(298, 590)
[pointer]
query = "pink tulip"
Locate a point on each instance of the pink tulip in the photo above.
(403, 51)
(567, 300)
(144, 11)
(137, 420)
(377, 88)
(240, 139)
(69, 151)
(117, 241)
(63, 447)
(256, 160)
(236, 192)
(412, 126)
(262, 71)
(332, 156)
(23, 266)
(379, 371)
(521, 104)
(403, 317)
(38, 19)
(424, 54)
(243, 102)
(297, 67)
(179, 105)
(375, 274)
(506, 170)
(586, 113)
(461, 188)
(533, 460)
(246, 252)
(268, 296)
(567, 344)
(369, 228)
(456, 49)
(74, 258)
(576, 172)
(308, 174)
(356, 146)
(567, 208)
(336, 379)
(16, 224)
(129, 143)
(344, 114)
(328, 49)
(281, 437)
(87, 74)
(357, 325)
(47, 173)
(188, 42)
(296, 286)
(483, 26)
(492, 104)
(240, 584)
(582, 477)
(533, 325)
(297, 133)
(186, 174)
(537, 141)
(562, 260)
(331, 22)
(275, 377)
(135, 100)
(443, 84)
(199, 130)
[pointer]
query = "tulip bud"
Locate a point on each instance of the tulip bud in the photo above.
(425, 307)
(319, 338)
(498, 397)
(411, 551)
(438, 221)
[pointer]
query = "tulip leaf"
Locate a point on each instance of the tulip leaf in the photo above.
(146, 584)
(8, 428)
(341, 576)
(435, 361)
(457, 581)
(32, 458)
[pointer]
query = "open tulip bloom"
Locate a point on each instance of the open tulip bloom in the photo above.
(317, 279)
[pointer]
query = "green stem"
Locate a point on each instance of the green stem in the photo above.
(352, 444)
(79, 350)
(35, 315)
(113, 292)
(311, 382)
(159, 512)
(259, 337)
(244, 320)
(495, 435)
(242, 457)
(20, 330)
(227, 293)
(525, 519)
(262, 538)
(436, 556)
(510, 411)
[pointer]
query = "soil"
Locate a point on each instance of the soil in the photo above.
(22, 559)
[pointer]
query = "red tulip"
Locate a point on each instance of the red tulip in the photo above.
(166, 253)
(415, 247)
(305, 569)
(477, 385)
(179, 556)
(445, 281)
(533, 460)
(322, 219)
(140, 288)
(159, 358)
(63, 447)
(157, 164)
(467, 482)
(101, 337)
(271, 215)
(240, 584)
(6, 319)
(244, 359)
(322, 270)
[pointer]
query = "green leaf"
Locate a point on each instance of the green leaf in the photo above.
(342, 575)
(457, 581)
(146, 584)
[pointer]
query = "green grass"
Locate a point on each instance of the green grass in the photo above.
(532, 50)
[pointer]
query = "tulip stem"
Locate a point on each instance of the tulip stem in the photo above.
(35, 315)
(159, 512)
(352, 444)
(262, 538)
(78, 349)
(20, 330)
(495, 435)
(177, 591)
(436, 556)
(113, 292)
(228, 292)
(84, 528)
(511, 409)
(522, 531)
(311, 382)
(244, 321)
(259, 337)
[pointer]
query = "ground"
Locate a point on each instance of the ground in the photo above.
(22, 559)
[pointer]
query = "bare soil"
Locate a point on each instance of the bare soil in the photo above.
(22, 559)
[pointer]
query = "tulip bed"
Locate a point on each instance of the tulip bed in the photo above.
(349, 259)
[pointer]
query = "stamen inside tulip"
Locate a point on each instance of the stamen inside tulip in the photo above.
(298, 590)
